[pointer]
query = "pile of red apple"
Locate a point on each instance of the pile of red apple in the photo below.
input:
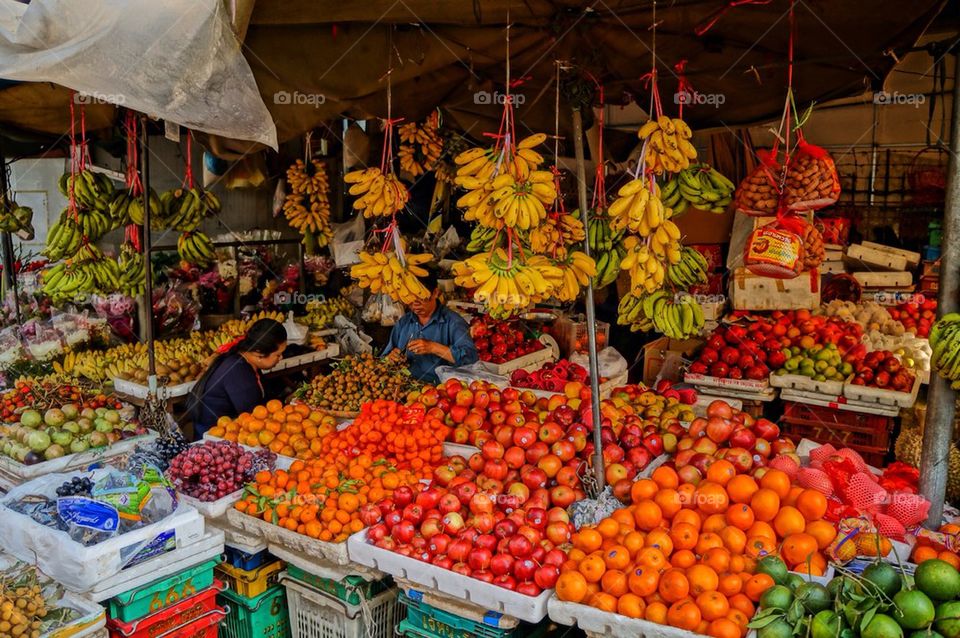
(882, 369)
(500, 341)
(725, 433)
(552, 376)
(916, 316)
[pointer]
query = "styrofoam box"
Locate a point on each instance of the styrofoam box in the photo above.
(527, 361)
(806, 384)
(275, 535)
(136, 390)
(211, 509)
(330, 351)
(486, 595)
(92, 618)
(210, 546)
(839, 403)
(882, 397)
(743, 385)
(19, 473)
(80, 568)
(611, 625)
(704, 400)
(324, 569)
(237, 538)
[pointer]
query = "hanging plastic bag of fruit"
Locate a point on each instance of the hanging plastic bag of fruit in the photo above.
(759, 192)
(776, 250)
(812, 181)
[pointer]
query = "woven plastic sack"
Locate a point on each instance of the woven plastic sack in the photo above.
(863, 493)
(774, 252)
(821, 454)
(759, 193)
(854, 457)
(786, 465)
(812, 181)
(814, 479)
(890, 527)
(908, 509)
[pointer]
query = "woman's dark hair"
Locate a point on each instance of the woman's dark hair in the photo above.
(264, 337)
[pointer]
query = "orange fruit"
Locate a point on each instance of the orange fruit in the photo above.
(949, 557)
(762, 529)
(659, 538)
(778, 481)
(587, 539)
(684, 614)
(789, 521)
(684, 536)
(683, 558)
(711, 498)
(643, 490)
(757, 585)
(797, 548)
(812, 504)
(631, 606)
(739, 516)
(713, 605)
(742, 603)
(651, 557)
(633, 541)
(706, 542)
(656, 612)
(592, 568)
(669, 501)
(923, 553)
(617, 557)
(673, 585)
(702, 578)
(795, 492)
(758, 546)
(730, 584)
(738, 563)
(823, 531)
(608, 528)
(723, 628)
(741, 488)
(810, 569)
(614, 582)
(765, 504)
(686, 491)
(643, 581)
(717, 558)
(687, 516)
(603, 601)
(734, 539)
(665, 477)
(624, 518)
(720, 472)
(738, 617)
(714, 524)
(647, 515)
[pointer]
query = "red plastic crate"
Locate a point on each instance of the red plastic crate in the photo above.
(198, 607)
(868, 434)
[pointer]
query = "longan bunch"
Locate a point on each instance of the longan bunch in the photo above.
(21, 611)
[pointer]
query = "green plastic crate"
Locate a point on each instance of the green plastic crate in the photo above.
(264, 616)
(163, 593)
(431, 622)
(352, 589)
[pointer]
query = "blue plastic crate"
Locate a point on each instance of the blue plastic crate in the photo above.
(243, 560)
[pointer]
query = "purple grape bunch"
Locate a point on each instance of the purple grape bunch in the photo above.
(214, 469)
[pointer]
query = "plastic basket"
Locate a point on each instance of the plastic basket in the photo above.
(314, 614)
(264, 616)
(428, 620)
(352, 589)
(204, 627)
(252, 583)
(245, 560)
(163, 593)
(178, 615)
(868, 434)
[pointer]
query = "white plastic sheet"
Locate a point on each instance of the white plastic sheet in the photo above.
(177, 60)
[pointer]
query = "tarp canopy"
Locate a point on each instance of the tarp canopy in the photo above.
(314, 60)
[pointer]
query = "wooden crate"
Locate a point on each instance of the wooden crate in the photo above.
(755, 292)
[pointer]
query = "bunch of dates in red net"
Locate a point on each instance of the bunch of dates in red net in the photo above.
(552, 377)
(498, 341)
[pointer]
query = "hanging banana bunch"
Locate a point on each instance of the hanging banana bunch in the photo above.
(700, 186)
(668, 145)
(387, 273)
(133, 274)
(508, 284)
(678, 317)
(382, 195)
(195, 247)
(420, 146)
(307, 206)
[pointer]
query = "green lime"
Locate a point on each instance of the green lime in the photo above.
(948, 618)
(814, 597)
(773, 567)
(882, 626)
(925, 633)
(937, 579)
(826, 624)
(777, 596)
(914, 609)
(884, 576)
(794, 581)
(779, 628)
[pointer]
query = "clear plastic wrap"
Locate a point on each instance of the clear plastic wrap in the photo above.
(472, 372)
(610, 363)
(11, 348)
(42, 340)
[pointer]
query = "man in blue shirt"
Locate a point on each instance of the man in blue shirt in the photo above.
(432, 335)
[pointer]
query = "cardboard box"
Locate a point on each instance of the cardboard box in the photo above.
(699, 227)
(667, 355)
(755, 292)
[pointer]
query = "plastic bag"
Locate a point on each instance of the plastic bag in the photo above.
(447, 242)
(348, 241)
(473, 372)
(610, 363)
(774, 252)
(759, 194)
(349, 337)
(11, 348)
(296, 332)
(812, 180)
(42, 340)
(380, 308)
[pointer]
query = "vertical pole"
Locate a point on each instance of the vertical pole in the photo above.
(9, 276)
(591, 314)
(147, 252)
(941, 400)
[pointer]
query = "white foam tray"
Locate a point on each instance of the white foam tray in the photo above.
(879, 396)
(839, 403)
(335, 553)
(329, 352)
(237, 538)
(529, 361)
(704, 400)
(138, 391)
(756, 386)
(16, 473)
(324, 569)
(486, 595)
(93, 618)
(211, 509)
(806, 384)
(210, 546)
(459, 449)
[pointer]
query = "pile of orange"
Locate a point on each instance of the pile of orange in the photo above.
(927, 549)
(323, 500)
(290, 430)
(685, 555)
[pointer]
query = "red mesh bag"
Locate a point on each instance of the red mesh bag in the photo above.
(863, 493)
(786, 465)
(821, 454)
(812, 180)
(774, 251)
(890, 527)
(854, 458)
(909, 509)
(814, 479)
(759, 192)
